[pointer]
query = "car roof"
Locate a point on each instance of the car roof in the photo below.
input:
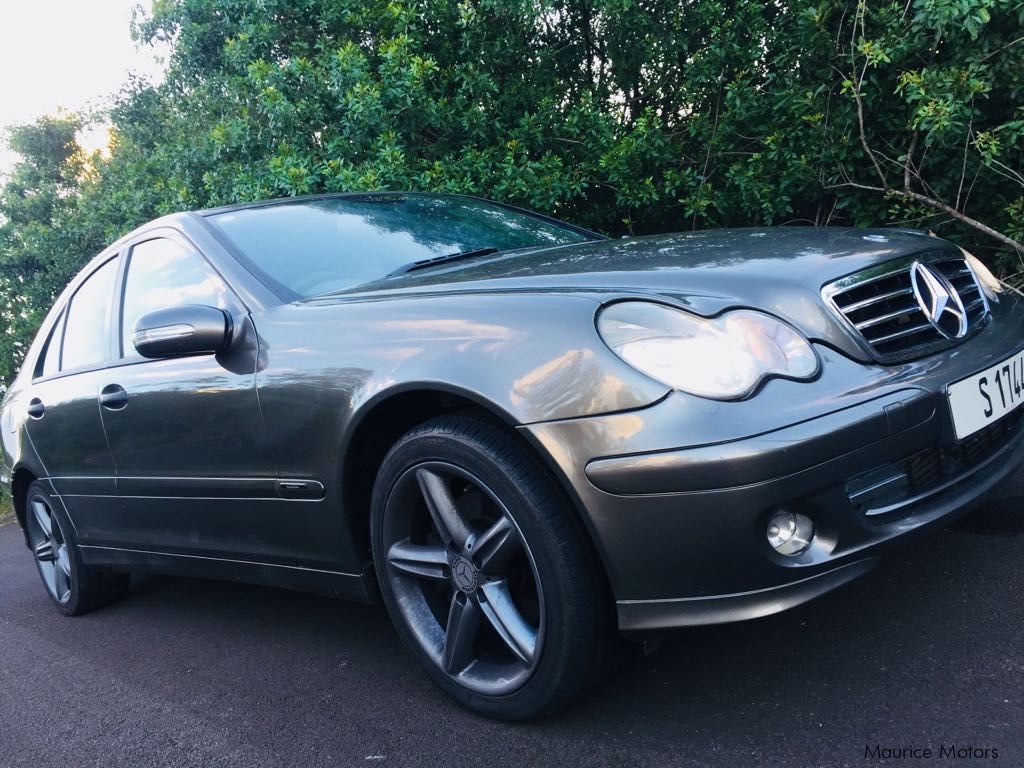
(331, 196)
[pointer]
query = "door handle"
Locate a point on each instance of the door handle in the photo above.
(113, 397)
(36, 409)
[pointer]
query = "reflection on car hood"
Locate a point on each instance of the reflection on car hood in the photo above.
(781, 270)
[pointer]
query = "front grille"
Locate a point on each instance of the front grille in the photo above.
(875, 492)
(932, 466)
(880, 307)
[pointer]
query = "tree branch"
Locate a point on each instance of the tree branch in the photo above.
(858, 97)
(707, 157)
(963, 166)
(909, 161)
(938, 205)
(908, 171)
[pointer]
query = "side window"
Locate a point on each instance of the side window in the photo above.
(163, 274)
(49, 358)
(85, 332)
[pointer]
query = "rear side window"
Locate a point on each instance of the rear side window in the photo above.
(86, 333)
(163, 273)
(49, 359)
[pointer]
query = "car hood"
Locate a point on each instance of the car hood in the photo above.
(779, 270)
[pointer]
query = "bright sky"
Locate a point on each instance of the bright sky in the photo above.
(65, 53)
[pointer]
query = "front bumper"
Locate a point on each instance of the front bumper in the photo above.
(677, 495)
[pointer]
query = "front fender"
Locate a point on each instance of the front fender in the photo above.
(531, 356)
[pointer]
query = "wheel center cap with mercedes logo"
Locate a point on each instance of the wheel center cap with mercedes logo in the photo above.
(464, 574)
(939, 300)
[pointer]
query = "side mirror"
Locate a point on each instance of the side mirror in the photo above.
(190, 329)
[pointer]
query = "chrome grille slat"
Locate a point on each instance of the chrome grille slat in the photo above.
(961, 268)
(887, 318)
(902, 334)
(875, 299)
(876, 278)
(880, 307)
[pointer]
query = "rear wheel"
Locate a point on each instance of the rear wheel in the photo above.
(484, 571)
(72, 586)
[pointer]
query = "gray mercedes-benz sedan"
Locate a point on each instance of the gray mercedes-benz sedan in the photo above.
(519, 434)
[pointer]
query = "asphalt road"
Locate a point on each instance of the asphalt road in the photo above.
(926, 651)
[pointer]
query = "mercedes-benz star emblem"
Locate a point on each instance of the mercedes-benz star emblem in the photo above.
(464, 574)
(939, 301)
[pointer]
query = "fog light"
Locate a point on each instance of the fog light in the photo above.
(790, 533)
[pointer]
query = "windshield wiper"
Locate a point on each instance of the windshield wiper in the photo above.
(412, 266)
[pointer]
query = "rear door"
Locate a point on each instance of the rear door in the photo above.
(64, 421)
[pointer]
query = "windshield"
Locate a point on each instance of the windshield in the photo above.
(317, 246)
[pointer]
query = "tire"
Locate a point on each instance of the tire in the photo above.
(72, 587)
(485, 570)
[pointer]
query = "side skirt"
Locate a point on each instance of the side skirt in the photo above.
(349, 586)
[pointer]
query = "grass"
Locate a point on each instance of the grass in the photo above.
(6, 510)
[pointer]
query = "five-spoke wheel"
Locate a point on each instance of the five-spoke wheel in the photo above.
(465, 579)
(485, 571)
(73, 586)
(49, 545)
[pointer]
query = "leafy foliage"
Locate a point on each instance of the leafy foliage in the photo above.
(40, 248)
(6, 508)
(627, 116)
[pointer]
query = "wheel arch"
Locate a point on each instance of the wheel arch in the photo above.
(381, 421)
(21, 479)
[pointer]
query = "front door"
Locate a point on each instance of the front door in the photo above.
(196, 473)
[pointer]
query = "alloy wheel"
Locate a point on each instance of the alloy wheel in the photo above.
(464, 578)
(49, 545)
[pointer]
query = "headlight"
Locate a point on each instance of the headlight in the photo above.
(723, 358)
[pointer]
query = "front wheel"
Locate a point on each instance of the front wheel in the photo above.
(485, 572)
(73, 587)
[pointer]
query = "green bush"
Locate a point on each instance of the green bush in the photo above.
(6, 510)
(627, 116)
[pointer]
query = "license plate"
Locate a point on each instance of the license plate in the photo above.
(985, 397)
